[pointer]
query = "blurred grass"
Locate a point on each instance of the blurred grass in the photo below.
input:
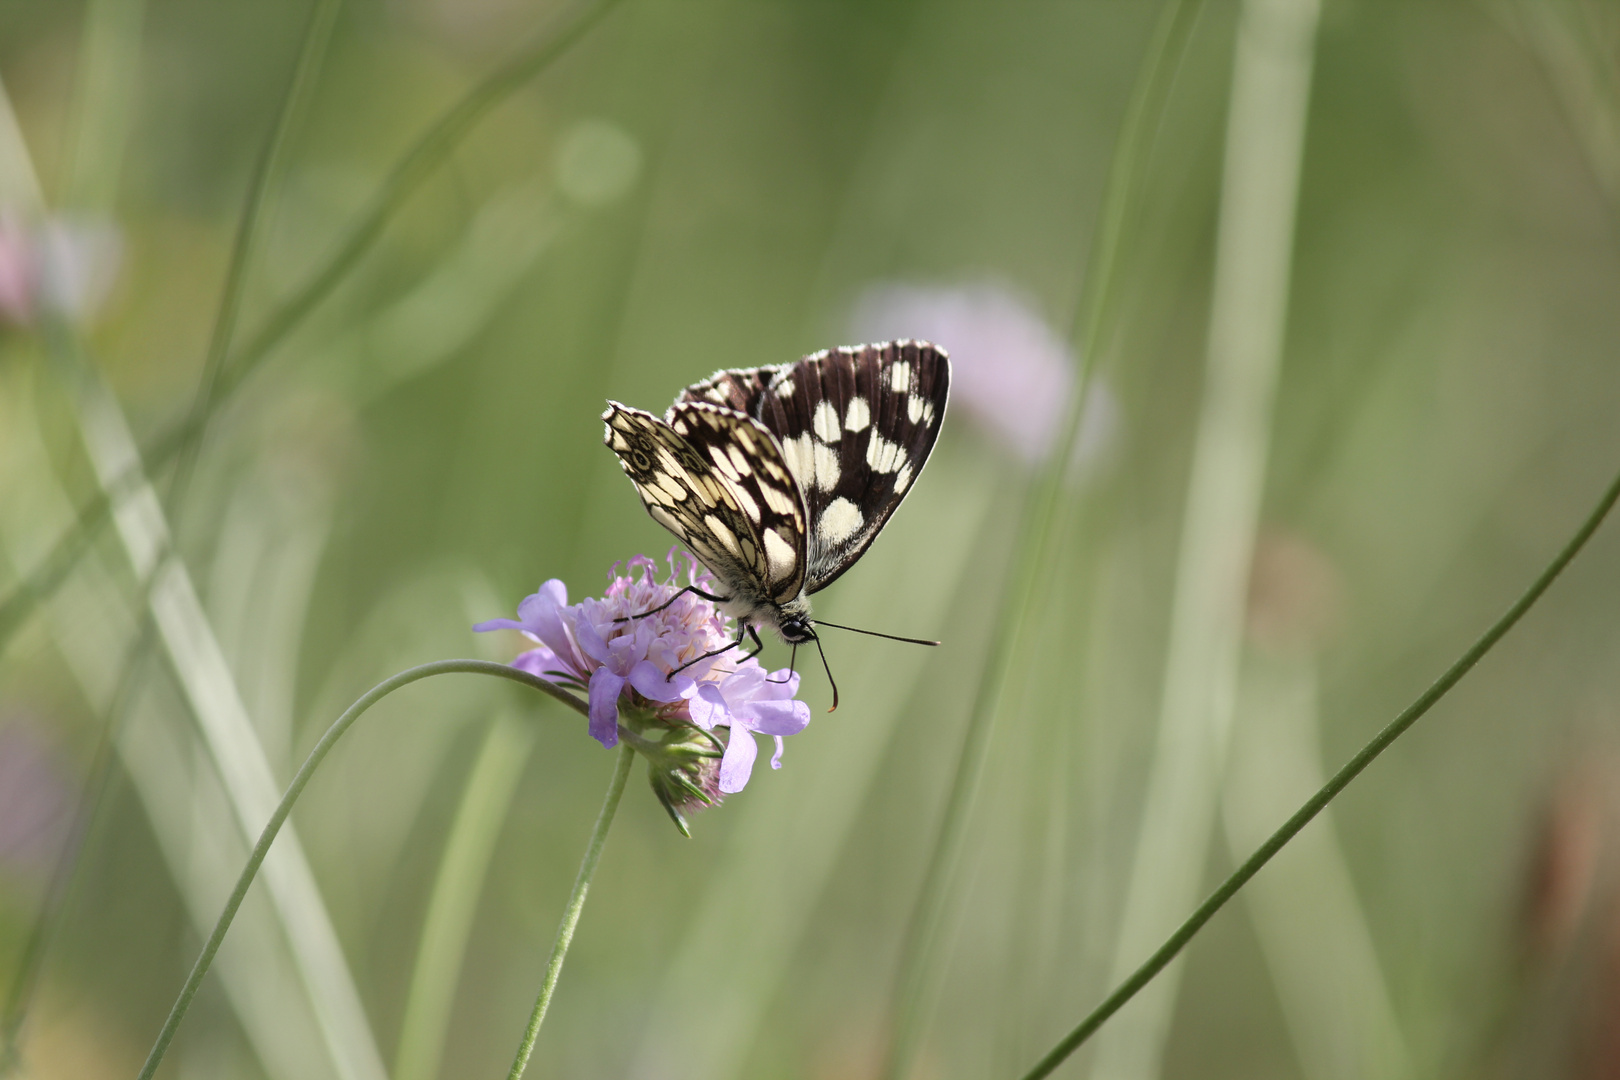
(424, 451)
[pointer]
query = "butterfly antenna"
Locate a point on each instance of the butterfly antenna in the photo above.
(828, 670)
(874, 633)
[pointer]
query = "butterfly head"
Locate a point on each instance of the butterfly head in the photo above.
(796, 629)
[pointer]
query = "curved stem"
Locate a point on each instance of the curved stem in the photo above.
(1340, 780)
(576, 904)
(296, 788)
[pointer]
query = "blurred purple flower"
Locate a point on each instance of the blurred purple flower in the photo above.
(59, 265)
(1009, 371)
(634, 662)
(36, 800)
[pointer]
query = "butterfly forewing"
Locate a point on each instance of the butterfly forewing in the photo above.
(748, 460)
(747, 527)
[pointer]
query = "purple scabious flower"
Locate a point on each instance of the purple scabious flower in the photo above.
(634, 676)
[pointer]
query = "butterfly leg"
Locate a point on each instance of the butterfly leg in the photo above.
(759, 646)
(693, 589)
(741, 631)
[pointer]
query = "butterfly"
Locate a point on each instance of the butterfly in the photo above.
(779, 478)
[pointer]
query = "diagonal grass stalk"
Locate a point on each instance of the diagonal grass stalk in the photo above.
(1163, 59)
(426, 154)
(454, 900)
(161, 754)
(1313, 806)
(278, 816)
(1265, 139)
(1310, 924)
(267, 175)
(233, 744)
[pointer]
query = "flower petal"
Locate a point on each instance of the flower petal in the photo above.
(776, 758)
(708, 707)
(738, 762)
(497, 624)
(590, 641)
(539, 661)
(604, 695)
(651, 683)
(774, 717)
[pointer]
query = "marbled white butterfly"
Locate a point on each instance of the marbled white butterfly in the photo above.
(778, 478)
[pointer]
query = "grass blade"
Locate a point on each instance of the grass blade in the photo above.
(1265, 140)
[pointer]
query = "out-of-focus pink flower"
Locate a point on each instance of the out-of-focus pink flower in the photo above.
(60, 266)
(36, 801)
(1009, 372)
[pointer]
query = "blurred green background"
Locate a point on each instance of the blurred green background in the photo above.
(706, 184)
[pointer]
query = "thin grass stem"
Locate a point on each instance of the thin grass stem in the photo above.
(266, 178)
(429, 151)
(576, 904)
(1328, 792)
(318, 754)
(1160, 64)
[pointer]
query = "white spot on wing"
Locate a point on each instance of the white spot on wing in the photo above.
(825, 422)
(779, 555)
(741, 462)
(882, 455)
(746, 501)
(723, 534)
(900, 378)
(914, 408)
(718, 453)
(826, 462)
(784, 389)
(858, 416)
(841, 520)
(902, 479)
(800, 457)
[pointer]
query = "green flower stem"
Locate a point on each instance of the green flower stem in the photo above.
(435, 145)
(1160, 65)
(296, 788)
(1340, 780)
(576, 904)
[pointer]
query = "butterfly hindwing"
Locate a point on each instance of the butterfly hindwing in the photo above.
(856, 426)
(716, 479)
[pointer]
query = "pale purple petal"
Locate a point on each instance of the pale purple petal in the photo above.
(497, 624)
(652, 684)
(738, 762)
(542, 615)
(604, 697)
(708, 707)
(590, 641)
(774, 717)
(539, 661)
(778, 686)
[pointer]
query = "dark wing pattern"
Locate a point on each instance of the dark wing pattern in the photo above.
(856, 426)
(716, 479)
(738, 389)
